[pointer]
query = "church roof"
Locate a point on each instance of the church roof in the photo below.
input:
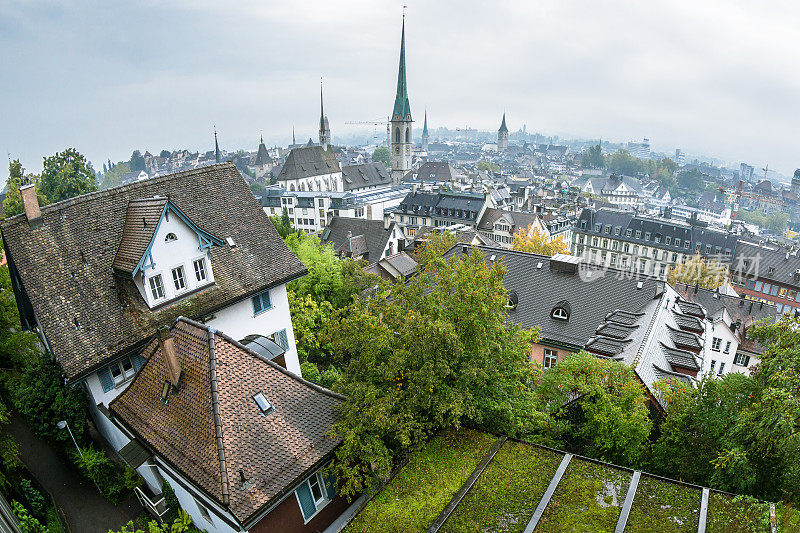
(263, 158)
(402, 107)
(308, 161)
(425, 127)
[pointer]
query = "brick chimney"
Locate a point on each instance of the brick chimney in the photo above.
(30, 202)
(167, 344)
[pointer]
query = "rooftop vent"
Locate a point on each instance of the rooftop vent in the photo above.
(639, 284)
(167, 343)
(30, 203)
(564, 263)
(539, 265)
(230, 242)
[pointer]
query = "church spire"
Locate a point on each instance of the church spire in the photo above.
(216, 146)
(425, 125)
(402, 107)
(503, 126)
(321, 108)
(324, 128)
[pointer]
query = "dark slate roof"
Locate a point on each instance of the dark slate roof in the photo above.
(689, 322)
(684, 338)
(432, 171)
(141, 220)
(88, 314)
(262, 158)
(690, 308)
(540, 289)
(366, 175)
(403, 263)
(465, 205)
(768, 263)
(680, 358)
(519, 220)
(739, 309)
(371, 233)
(657, 228)
(308, 161)
(210, 428)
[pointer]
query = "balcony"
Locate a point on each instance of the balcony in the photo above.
(154, 503)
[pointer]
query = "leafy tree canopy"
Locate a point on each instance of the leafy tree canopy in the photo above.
(535, 241)
(137, 161)
(433, 246)
(776, 223)
(382, 155)
(696, 270)
(67, 174)
(436, 353)
(488, 166)
(12, 205)
(593, 157)
(113, 177)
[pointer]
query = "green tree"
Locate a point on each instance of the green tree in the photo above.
(382, 155)
(622, 162)
(9, 460)
(598, 405)
(40, 396)
(434, 244)
(593, 157)
(65, 175)
(137, 161)
(488, 166)
(283, 224)
(17, 347)
(113, 177)
(690, 180)
(182, 524)
(165, 154)
(707, 274)
(776, 223)
(310, 320)
(436, 353)
(12, 205)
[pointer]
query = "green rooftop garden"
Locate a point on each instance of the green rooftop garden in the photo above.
(588, 498)
(507, 493)
(736, 514)
(418, 493)
(788, 518)
(674, 507)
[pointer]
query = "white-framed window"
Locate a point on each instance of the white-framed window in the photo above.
(715, 343)
(550, 358)
(204, 512)
(721, 367)
(727, 347)
(156, 287)
(741, 359)
(560, 313)
(200, 269)
(261, 302)
(121, 370)
(314, 493)
(178, 278)
(713, 364)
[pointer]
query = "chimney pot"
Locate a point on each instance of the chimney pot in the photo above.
(30, 202)
(167, 343)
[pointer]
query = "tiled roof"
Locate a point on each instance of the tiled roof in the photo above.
(212, 430)
(307, 162)
(366, 175)
(540, 289)
(690, 308)
(767, 263)
(370, 236)
(519, 220)
(681, 358)
(689, 322)
(141, 219)
(90, 315)
(403, 263)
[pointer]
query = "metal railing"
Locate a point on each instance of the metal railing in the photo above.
(155, 504)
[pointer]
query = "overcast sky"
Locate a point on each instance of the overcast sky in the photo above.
(720, 78)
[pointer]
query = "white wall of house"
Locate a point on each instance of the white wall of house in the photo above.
(169, 255)
(323, 182)
(238, 321)
(189, 504)
(720, 355)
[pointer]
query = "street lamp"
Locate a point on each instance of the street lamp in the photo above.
(63, 424)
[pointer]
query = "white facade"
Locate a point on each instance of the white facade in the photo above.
(322, 182)
(721, 353)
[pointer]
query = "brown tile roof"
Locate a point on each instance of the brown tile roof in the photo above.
(90, 315)
(273, 451)
(141, 219)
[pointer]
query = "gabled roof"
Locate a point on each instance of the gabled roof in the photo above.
(356, 236)
(262, 158)
(308, 161)
(142, 219)
(211, 429)
(365, 175)
(518, 220)
(90, 315)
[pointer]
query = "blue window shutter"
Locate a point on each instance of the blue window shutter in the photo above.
(138, 362)
(266, 302)
(330, 484)
(306, 500)
(105, 379)
(256, 304)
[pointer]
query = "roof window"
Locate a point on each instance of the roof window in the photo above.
(170, 237)
(561, 311)
(263, 404)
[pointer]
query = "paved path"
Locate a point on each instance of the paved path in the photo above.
(87, 511)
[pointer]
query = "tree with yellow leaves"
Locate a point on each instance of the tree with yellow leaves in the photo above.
(696, 270)
(536, 241)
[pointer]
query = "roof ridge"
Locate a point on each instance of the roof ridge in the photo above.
(223, 467)
(239, 345)
(113, 190)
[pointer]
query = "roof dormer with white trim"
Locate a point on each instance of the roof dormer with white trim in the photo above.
(164, 252)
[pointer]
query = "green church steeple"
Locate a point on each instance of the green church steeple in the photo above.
(402, 108)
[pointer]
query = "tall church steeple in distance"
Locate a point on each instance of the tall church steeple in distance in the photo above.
(425, 133)
(217, 156)
(401, 118)
(324, 128)
(502, 136)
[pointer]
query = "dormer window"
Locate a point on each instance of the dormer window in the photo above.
(170, 237)
(561, 311)
(178, 278)
(157, 287)
(263, 404)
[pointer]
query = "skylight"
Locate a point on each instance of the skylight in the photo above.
(263, 403)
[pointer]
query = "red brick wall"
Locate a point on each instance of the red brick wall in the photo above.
(288, 518)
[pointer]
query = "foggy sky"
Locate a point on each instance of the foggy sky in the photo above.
(719, 77)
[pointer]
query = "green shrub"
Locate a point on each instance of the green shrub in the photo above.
(330, 376)
(182, 524)
(36, 502)
(310, 372)
(114, 482)
(28, 523)
(170, 500)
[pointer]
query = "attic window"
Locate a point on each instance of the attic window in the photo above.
(165, 392)
(230, 241)
(170, 237)
(263, 403)
(560, 313)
